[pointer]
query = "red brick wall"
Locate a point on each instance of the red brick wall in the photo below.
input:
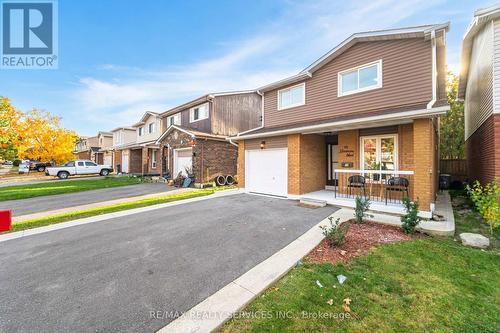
(483, 151)
(210, 157)
(135, 161)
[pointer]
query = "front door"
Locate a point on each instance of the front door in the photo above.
(332, 163)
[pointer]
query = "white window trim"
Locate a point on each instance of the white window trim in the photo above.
(149, 128)
(303, 84)
(177, 119)
(154, 153)
(358, 68)
(191, 112)
(378, 153)
(140, 131)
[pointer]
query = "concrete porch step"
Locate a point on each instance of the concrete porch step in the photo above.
(313, 202)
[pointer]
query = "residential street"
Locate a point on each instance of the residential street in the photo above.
(108, 276)
(53, 202)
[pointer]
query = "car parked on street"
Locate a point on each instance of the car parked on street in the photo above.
(39, 166)
(78, 167)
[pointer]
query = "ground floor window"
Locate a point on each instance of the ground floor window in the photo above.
(379, 152)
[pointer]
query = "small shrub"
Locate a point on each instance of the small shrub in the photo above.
(336, 233)
(361, 209)
(487, 201)
(411, 219)
(16, 163)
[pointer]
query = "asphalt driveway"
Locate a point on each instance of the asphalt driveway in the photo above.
(108, 276)
(59, 201)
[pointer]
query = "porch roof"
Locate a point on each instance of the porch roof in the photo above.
(191, 132)
(400, 115)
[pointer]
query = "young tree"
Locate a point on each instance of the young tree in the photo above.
(452, 129)
(42, 138)
(9, 127)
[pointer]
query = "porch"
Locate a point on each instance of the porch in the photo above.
(385, 189)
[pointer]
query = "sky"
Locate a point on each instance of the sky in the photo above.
(121, 58)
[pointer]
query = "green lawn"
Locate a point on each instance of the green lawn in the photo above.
(39, 222)
(469, 220)
(16, 192)
(427, 285)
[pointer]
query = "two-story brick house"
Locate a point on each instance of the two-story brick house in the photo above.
(123, 138)
(195, 134)
(361, 120)
(86, 148)
(105, 153)
(479, 87)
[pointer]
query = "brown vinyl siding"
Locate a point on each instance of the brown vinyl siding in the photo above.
(483, 151)
(271, 142)
(236, 113)
(406, 81)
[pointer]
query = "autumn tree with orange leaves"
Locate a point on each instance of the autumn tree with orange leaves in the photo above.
(36, 135)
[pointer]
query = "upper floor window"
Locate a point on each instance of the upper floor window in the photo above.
(118, 138)
(362, 78)
(198, 113)
(174, 119)
(141, 131)
(152, 127)
(292, 96)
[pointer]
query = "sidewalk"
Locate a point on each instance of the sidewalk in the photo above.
(97, 204)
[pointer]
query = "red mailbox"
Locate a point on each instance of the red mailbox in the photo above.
(5, 220)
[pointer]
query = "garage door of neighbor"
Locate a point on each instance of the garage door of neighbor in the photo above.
(266, 171)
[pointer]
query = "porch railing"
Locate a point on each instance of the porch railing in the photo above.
(383, 186)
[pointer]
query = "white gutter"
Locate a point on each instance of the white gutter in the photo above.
(434, 70)
(399, 116)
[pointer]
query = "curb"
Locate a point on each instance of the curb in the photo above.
(215, 310)
(98, 218)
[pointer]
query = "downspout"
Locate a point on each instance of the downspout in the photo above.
(434, 70)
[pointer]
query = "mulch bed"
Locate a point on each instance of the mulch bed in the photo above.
(359, 240)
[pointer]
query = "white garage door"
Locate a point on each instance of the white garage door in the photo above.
(107, 160)
(266, 171)
(183, 159)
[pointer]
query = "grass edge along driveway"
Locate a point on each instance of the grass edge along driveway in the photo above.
(430, 285)
(44, 221)
(17, 192)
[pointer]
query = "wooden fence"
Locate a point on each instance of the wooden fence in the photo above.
(456, 168)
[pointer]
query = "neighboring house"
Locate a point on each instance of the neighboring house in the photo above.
(105, 153)
(361, 120)
(195, 137)
(148, 130)
(86, 148)
(479, 87)
(123, 157)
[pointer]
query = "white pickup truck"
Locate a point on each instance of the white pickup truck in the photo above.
(79, 167)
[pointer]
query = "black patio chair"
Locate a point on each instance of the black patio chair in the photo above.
(398, 185)
(358, 182)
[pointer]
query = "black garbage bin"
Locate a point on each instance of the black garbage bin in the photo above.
(444, 181)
